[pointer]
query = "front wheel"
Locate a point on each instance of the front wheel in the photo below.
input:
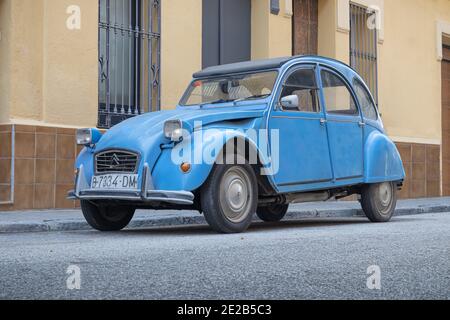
(229, 198)
(379, 201)
(106, 218)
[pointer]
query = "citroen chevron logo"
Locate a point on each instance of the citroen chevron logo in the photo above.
(115, 161)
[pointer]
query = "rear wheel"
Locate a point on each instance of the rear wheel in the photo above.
(229, 198)
(379, 201)
(107, 218)
(272, 213)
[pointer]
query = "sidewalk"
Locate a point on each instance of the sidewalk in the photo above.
(71, 220)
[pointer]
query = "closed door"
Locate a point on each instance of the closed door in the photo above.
(345, 127)
(226, 31)
(446, 122)
(304, 161)
(305, 27)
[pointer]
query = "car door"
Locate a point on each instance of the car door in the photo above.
(303, 157)
(345, 127)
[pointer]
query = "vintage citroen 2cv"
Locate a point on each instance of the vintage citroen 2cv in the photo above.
(246, 138)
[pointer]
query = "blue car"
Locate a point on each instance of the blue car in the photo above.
(246, 138)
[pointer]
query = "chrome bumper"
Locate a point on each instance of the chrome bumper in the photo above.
(146, 194)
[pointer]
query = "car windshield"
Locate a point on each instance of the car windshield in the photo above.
(229, 89)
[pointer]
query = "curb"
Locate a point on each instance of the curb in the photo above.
(139, 223)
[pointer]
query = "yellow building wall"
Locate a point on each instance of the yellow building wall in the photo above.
(52, 71)
(49, 73)
(259, 29)
(25, 64)
(409, 72)
(327, 28)
(181, 51)
(271, 34)
(52, 77)
(280, 33)
(70, 64)
(332, 43)
(5, 56)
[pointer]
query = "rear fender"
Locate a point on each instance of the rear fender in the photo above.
(383, 161)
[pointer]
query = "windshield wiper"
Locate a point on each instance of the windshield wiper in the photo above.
(258, 96)
(216, 102)
(235, 100)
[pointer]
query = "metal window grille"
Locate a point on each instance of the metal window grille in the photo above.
(363, 46)
(129, 59)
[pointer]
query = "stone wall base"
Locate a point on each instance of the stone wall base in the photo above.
(422, 164)
(44, 160)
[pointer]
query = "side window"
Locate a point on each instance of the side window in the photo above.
(302, 84)
(338, 98)
(365, 101)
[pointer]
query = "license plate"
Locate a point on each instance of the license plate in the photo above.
(115, 181)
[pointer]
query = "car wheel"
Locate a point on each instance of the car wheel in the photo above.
(106, 218)
(379, 201)
(229, 198)
(272, 213)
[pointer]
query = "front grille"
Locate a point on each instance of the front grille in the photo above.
(116, 161)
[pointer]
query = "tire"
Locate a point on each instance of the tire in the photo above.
(108, 218)
(272, 213)
(379, 201)
(229, 198)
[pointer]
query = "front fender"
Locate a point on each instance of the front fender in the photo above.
(86, 159)
(382, 159)
(201, 150)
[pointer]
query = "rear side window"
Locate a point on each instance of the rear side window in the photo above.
(338, 99)
(365, 101)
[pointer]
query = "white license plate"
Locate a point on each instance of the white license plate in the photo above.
(115, 181)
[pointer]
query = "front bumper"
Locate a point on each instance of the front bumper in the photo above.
(147, 194)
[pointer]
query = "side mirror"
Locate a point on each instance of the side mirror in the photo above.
(289, 102)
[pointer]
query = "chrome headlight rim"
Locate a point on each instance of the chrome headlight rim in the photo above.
(173, 130)
(87, 136)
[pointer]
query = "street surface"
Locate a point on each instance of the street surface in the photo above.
(306, 259)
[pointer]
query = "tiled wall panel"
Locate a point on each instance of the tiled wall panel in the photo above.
(44, 167)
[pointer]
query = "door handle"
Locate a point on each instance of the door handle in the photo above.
(362, 124)
(323, 122)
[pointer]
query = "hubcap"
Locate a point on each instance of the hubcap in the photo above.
(385, 194)
(236, 194)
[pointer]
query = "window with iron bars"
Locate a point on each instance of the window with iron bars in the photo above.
(129, 59)
(363, 46)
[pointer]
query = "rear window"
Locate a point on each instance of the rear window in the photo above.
(365, 101)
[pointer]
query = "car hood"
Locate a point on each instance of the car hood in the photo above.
(144, 133)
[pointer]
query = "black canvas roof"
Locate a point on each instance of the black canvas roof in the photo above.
(240, 67)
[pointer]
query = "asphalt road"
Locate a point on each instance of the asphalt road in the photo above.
(310, 259)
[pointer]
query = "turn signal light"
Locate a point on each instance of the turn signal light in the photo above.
(185, 167)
